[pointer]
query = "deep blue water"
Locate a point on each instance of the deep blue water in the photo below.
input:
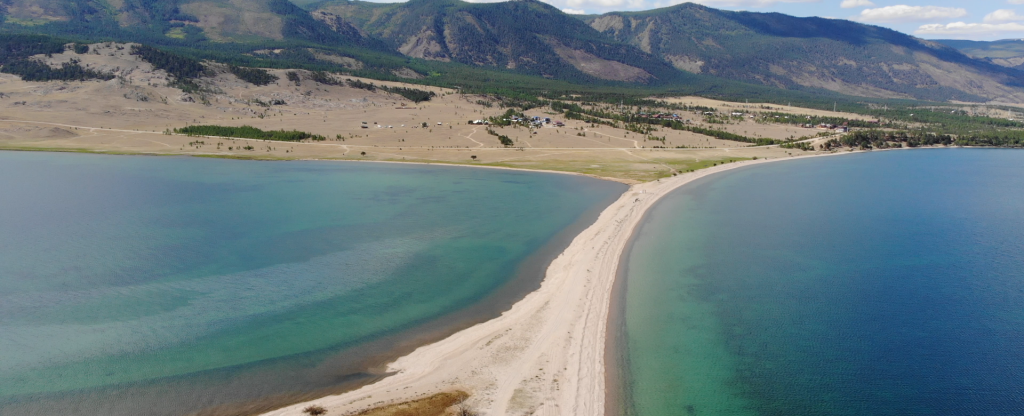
(167, 285)
(889, 283)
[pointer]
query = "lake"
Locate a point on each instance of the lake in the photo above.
(174, 285)
(886, 283)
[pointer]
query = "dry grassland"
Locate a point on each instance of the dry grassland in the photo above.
(131, 114)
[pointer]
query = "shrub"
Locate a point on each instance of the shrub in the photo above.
(315, 410)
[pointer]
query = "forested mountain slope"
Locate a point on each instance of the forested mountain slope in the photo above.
(791, 52)
(528, 42)
(216, 20)
(1007, 52)
(527, 36)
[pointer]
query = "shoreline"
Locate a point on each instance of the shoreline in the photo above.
(258, 159)
(549, 352)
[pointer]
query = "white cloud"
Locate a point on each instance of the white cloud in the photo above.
(849, 4)
(1015, 1)
(1003, 15)
(974, 30)
(573, 11)
(905, 13)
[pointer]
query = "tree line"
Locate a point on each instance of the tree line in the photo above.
(879, 139)
(16, 52)
(505, 140)
(32, 70)
(718, 134)
(254, 76)
(249, 132)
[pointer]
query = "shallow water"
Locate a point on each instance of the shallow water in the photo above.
(171, 285)
(889, 283)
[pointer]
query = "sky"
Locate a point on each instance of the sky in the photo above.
(928, 19)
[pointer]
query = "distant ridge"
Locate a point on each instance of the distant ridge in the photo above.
(1006, 52)
(685, 47)
(527, 36)
(217, 20)
(791, 52)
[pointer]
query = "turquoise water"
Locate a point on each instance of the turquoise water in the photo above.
(889, 283)
(159, 285)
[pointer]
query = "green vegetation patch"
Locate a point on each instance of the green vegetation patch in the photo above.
(16, 52)
(31, 70)
(176, 33)
(178, 66)
(249, 132)
(255, 76)
(879, 139)
(13, 47)
(505, 140)
(411, 94)
(718, 134)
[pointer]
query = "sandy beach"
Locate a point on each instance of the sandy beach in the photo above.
(545, 355)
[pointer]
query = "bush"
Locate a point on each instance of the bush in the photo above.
(315, 410)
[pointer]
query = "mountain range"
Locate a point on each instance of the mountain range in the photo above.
(677, 45)
(1006, 52)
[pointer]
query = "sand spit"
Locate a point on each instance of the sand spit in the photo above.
(544, 356)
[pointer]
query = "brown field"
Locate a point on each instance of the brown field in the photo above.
(132, 114)
(759, 107)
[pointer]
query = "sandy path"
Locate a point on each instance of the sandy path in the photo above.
(544, 356)
(669, 168)
(470, 137)
(636, 144)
